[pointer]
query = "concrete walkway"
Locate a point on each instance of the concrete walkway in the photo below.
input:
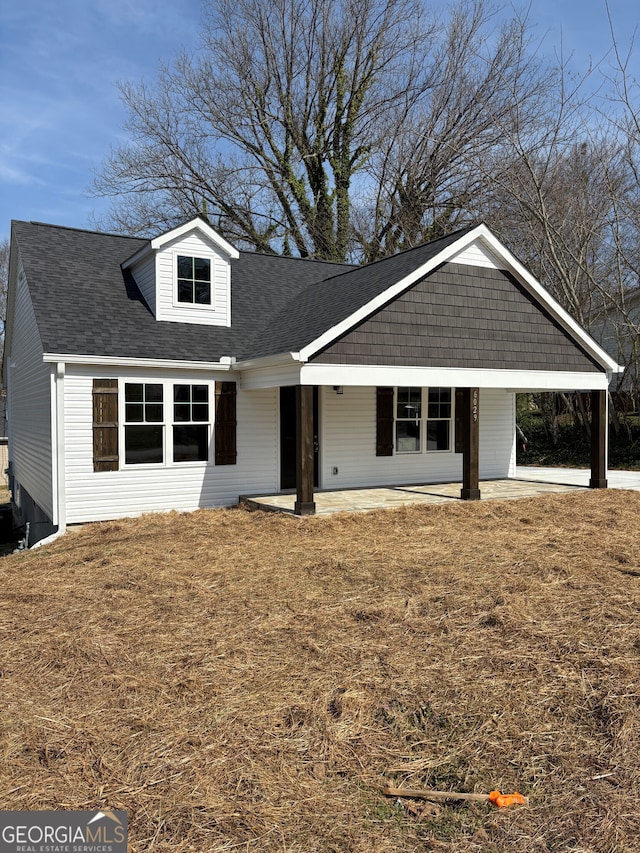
(577, 476)
(529, 482)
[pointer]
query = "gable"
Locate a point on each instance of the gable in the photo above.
(477, 254)
(158, 271)
(464, 317)
(194, 244)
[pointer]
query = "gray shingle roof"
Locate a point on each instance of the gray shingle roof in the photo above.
(322, 305)
(86, 305)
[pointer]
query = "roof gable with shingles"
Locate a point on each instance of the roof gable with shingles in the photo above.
(86, 304)
(494, 321)
(323, 305)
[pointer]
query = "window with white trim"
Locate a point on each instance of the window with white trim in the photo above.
(143, 423)
(408, 420)
(190, 423)
(438, 424)
(423, 419)
(193, 280)
(155, 433)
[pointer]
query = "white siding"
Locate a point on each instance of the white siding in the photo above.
(29, 401)
(267, 377)
(348, 443)
(95, 496)
(497, 434)
(194, 244)
(144, 274)
(477, 255)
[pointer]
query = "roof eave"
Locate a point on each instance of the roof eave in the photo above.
(140, 255)
(225, 362)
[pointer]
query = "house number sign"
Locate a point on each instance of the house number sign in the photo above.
(474, 405)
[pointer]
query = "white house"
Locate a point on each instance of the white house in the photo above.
(178, 372)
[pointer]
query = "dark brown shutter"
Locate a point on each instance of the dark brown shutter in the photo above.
(459, 421)
(384, 421)
(225, 427)
(105, 424)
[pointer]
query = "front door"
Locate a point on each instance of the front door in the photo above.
(288, 437)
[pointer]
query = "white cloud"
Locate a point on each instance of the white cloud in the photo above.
(12, 174)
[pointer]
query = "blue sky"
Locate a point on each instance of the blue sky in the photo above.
(60, 61)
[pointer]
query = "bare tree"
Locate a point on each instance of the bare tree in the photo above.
(621, 113)
(264, 131)
(327, 129)
(437, 161)
(567, 201)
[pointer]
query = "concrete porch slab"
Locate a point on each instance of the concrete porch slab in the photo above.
(385, 497)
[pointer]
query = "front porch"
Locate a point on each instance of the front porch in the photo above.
(387, 497)
(465, 438)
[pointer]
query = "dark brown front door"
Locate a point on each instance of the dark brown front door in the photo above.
(288, 437)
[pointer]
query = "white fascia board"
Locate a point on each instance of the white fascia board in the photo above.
(225, 363)
(451, 377)
(195, 225)
(482, 233)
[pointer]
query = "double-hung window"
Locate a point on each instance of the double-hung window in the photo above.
(438, 430)
(144, 423)
(423, 419)
(194, 280)
(409, 420)
(190, 423)
(164, 423)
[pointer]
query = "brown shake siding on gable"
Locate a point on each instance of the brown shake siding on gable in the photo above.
(462, 316)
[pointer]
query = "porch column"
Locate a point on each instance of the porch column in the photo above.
(304, 504)
(599, 431)
(470, 399)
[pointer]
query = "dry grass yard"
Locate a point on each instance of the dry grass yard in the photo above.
(246, 682)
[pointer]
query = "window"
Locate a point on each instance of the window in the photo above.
(144, 423)
(194, 280)
(439, 419)
(190, 423)
(197, 420)
(408, 420)
(418, 430)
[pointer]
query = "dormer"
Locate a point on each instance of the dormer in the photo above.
(185, 275)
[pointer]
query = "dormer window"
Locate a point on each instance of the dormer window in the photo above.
(184, 275)
(194, 280)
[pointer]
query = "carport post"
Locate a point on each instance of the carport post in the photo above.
(599, 431)
(304, 504)
(471, 444)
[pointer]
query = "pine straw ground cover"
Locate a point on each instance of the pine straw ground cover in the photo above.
(242, 681)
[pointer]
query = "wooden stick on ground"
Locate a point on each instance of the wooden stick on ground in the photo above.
(427, 794)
